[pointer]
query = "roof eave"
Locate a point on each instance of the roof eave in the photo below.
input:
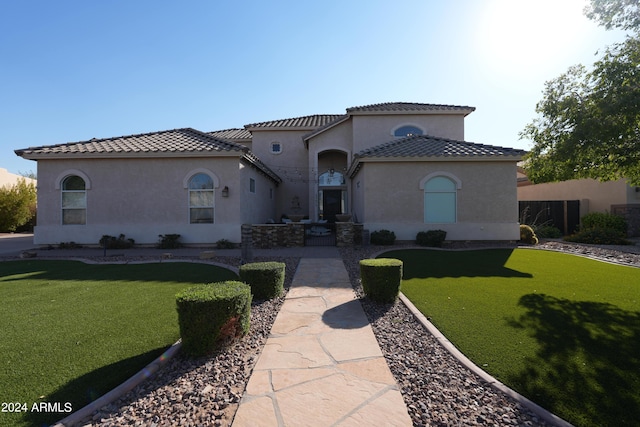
(494, 158)
(132, 154)
(434, 112)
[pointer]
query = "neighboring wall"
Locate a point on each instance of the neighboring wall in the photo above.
(140, 198)
(598, 196)
(10, 179)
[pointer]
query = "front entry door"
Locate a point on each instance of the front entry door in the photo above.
(331, 204)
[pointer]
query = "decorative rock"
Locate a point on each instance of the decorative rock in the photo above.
(207, 254)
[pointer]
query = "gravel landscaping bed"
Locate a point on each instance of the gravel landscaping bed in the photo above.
(198, 391)
(438, 390)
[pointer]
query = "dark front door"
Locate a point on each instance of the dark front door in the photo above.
(332, 204)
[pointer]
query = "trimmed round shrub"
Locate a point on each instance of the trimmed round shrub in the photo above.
(431, 238)
(212, 315)
(382, 237)
(381, 278)
(527, 235)
(266, 279)
(605, 221)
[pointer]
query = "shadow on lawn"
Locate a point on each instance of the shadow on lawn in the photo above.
(589, 355)
(89, 387)
(76, 270)
(424, 263)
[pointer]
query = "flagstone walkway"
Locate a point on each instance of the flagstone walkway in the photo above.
(321, 365)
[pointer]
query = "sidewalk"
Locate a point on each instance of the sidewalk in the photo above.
(322, 365)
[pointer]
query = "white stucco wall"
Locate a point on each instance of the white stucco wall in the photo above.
(140, 198)
(389, 196)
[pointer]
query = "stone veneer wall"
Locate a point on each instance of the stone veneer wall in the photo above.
(348, 234)
(266, 236)
(632, 214)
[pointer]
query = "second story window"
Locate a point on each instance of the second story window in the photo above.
(407, 130)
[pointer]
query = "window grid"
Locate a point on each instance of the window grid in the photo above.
(201, 199)
(74, 201)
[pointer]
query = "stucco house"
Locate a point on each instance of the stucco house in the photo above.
(400, 166)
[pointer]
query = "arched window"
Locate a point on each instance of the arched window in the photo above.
(331, 177)
(201, 199)
(74, 201)
(407, 130)
(440, 200)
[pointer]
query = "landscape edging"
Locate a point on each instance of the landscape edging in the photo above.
(493, 382)
(122, 389)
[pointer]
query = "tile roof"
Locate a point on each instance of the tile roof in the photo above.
(231, 134)
(254, 161)
(184, 140)
(429, 146)
(405, 107)
(304, 122)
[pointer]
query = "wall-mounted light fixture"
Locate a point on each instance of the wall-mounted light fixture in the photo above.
(225, 191)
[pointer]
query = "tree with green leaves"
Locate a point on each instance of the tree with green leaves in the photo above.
(17, 205)
(588, 123)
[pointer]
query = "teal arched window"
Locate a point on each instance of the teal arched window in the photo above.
(440, 200)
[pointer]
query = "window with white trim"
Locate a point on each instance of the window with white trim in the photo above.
(440, 195)
(201, 199)
(74, 201)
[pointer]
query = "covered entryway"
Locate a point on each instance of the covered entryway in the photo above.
(332, 186)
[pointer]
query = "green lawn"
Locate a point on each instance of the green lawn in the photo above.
(560, 329)
(73, 331)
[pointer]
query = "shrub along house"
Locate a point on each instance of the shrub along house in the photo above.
(400, 166)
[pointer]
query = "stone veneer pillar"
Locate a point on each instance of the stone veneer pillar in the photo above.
(246, 243)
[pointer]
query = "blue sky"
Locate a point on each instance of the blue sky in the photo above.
(74, 70)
